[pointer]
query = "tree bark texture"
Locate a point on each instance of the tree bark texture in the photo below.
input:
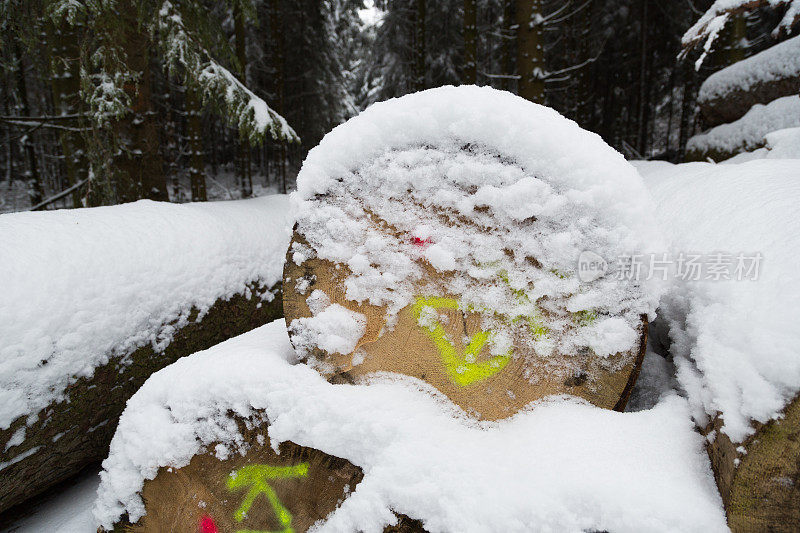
(71, 434)
(759, 479)
(138, 171)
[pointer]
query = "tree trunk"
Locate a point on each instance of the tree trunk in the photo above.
(243, 166)
(530, 50)
(194, 135)
(470, 42)
(759, 479)
(35, 190)
(280, 81)
(508, 44)
(138, 169)
(65, 84)
(687, 102)
(419, 45)
(74, 433)
(641, 137)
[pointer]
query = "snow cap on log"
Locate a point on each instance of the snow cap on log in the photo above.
(453, 221)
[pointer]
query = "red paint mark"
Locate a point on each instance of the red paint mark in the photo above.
(207, 525)
(416, 241)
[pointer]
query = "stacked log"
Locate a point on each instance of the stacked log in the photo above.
(759, 479)
(73, 433)
(492, 387)
(259, 491)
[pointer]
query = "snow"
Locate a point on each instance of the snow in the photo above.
(68, 511)
(749, 132)
(502, 196)
(561, 465)
(735, 342)
(332, 328)
(80, 285)
(778, 62)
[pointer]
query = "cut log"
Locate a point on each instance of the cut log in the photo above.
(258, 491)
(747, 133)
(453, 356)
(729, 93)
(759, 479)
(71, 434)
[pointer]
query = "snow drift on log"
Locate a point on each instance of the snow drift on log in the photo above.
(736, 342)
(81, 284)
(498, 195)
(562, 465)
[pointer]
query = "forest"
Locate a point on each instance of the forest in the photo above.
(106, 102)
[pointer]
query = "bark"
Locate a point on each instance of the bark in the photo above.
(138, 168)
(530, 50)
(733, 105)
(470, 42)
(759, 479)
(194, 135)
(76, 432)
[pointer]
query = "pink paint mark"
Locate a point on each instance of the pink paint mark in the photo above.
(207, 525)
(416, 241)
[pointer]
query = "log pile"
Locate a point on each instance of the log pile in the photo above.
(735, 103)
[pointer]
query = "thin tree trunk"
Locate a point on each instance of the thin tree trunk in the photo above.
(687, 101)
(35, 192)
(194, 134)
(508, 44)
(277, 37)
(419, 45)
(138, 165)
(65, 85)
(243, 166)
(7, 112)
(470, 42)
(530, 50)
(641, 136)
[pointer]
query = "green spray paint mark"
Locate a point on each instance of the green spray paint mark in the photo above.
(464, 370)
(256, 476)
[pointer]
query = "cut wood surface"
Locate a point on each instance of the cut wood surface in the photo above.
(759, 479)
(258, 491)
(488, 387)
(72, 434)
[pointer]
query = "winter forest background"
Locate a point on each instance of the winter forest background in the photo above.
(105, 102)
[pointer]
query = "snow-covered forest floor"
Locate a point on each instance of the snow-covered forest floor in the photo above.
(222, 185)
